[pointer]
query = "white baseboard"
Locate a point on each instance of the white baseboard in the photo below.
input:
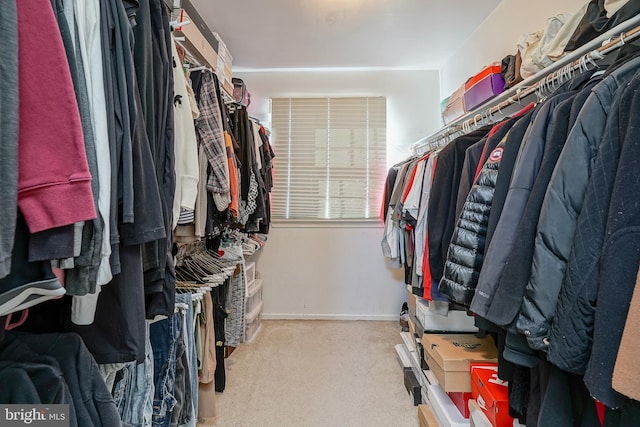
(301, 316)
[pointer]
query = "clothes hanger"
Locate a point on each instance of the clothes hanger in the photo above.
(178, 24)
(188, 271)
(200, 68)
(186, 275)
(197, 269)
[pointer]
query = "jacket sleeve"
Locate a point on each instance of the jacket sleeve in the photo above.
(390, 241)
(421, 227)
(438, 213)
(557, 224)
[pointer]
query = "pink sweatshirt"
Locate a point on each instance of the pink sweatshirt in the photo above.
(54, 183)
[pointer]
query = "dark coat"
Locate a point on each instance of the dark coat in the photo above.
(524, 176)
(538, 304)
(572, 327)
(442, 201)
(466, 252)
(620, 253)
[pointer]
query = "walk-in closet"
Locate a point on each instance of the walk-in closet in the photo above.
(322, 213)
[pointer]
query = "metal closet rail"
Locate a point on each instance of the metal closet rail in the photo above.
(542, 82)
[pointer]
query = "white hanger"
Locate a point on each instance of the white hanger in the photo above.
(178, 24)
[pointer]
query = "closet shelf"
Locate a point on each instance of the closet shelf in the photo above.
(555, 74)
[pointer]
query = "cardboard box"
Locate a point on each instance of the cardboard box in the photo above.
(450, 355)
(477, 417)
(491, 394)
(411, 300)
(409, 341)
(421, 354)
(456, 321)
(426, 417)
(404, 358)
(444, 410)
(412, 327)
(461, 400)
(413, 386)
(422, 379)
(189, 13)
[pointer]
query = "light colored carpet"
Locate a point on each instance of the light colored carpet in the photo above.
(317, 373)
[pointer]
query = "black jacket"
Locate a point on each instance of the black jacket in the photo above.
(595, 22)
(538, 306)
(442, 201)
(570, 336)
(466, 250)
(620, 254)
(562, 205)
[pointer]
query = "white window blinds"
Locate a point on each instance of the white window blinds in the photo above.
(330, 157)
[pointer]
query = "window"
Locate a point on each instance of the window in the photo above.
(330, 157)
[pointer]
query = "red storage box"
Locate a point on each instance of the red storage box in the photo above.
(483, 74)
(482, 87)
(461, 400)
(491, 394)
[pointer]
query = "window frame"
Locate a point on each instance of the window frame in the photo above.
(375, 172)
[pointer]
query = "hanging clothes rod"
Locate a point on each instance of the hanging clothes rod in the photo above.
(543, 82)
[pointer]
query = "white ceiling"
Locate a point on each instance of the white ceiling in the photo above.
(268, 34)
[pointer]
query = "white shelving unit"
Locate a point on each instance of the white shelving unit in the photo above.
(252, 303)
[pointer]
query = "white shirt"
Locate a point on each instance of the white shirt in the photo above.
(87, 18)
(185, 143)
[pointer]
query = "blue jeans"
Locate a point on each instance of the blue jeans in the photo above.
(134, 391)
(190, 408)
(191, 347)
(122, 388)
(165, 336)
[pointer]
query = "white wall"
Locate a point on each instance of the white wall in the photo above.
(498, 35)
(312, 271)
(329, 273)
